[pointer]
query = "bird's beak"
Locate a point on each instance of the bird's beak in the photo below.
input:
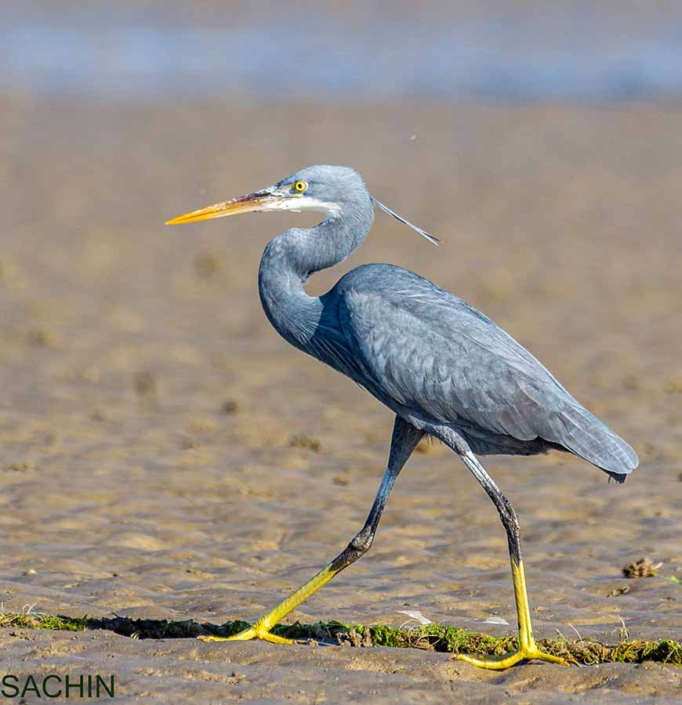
(269, 199)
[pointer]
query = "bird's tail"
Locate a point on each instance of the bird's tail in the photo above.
(585, 435)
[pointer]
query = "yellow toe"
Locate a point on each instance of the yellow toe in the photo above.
(255, 632)
(499, 663)
(493, 663)
(274, 639)
(213, 638)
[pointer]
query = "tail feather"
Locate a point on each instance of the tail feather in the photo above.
(584, 434)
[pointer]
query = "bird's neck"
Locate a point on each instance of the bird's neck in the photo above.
(290, 259)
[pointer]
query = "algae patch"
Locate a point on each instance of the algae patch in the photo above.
(431, 637)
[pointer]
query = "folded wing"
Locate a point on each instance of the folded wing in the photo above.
(430, 351)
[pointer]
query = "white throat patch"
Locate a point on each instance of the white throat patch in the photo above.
(307, 203)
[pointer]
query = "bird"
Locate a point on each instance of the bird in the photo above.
(442, 367)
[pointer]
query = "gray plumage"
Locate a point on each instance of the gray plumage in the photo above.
(437, 362)
(444, 368)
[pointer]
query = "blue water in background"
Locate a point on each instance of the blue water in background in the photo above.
(512, 58)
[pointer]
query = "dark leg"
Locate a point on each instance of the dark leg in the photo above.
(404, 441)
(528, 649)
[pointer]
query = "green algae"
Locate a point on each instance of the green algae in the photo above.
(431, 637)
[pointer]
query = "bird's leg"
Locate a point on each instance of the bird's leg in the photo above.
(528, 649)
(404, 441)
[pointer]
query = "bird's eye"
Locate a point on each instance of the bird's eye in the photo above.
(300, 186)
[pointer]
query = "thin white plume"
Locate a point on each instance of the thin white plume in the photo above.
(423, 233)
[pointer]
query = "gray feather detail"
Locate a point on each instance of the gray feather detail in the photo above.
(423, 349)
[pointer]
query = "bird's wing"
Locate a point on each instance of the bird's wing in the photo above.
(431, 352)
(444, 362)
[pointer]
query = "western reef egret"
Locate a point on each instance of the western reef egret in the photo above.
(443, 368)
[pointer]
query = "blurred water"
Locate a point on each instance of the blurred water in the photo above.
(515, 58)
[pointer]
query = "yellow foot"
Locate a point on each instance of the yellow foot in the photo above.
(254, 632)
(499, 663)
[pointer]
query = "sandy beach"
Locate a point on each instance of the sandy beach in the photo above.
(163, 454)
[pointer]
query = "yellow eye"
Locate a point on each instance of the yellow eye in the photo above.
(300, 186)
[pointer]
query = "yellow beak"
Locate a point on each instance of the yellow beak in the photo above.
(258, 201)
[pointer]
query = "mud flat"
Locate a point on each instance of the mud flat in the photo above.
(163, 455)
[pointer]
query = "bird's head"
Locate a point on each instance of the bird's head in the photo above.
(326, 189)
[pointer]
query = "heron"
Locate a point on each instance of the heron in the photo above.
(442, 367)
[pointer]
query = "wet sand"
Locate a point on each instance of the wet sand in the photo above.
(151, 462)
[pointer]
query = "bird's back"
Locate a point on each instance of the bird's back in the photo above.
(421, 349)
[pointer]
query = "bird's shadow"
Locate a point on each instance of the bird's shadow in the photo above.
(191, 629)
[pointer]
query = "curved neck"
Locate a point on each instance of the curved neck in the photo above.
(293, 256)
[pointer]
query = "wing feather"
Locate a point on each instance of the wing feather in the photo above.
(430, 351)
